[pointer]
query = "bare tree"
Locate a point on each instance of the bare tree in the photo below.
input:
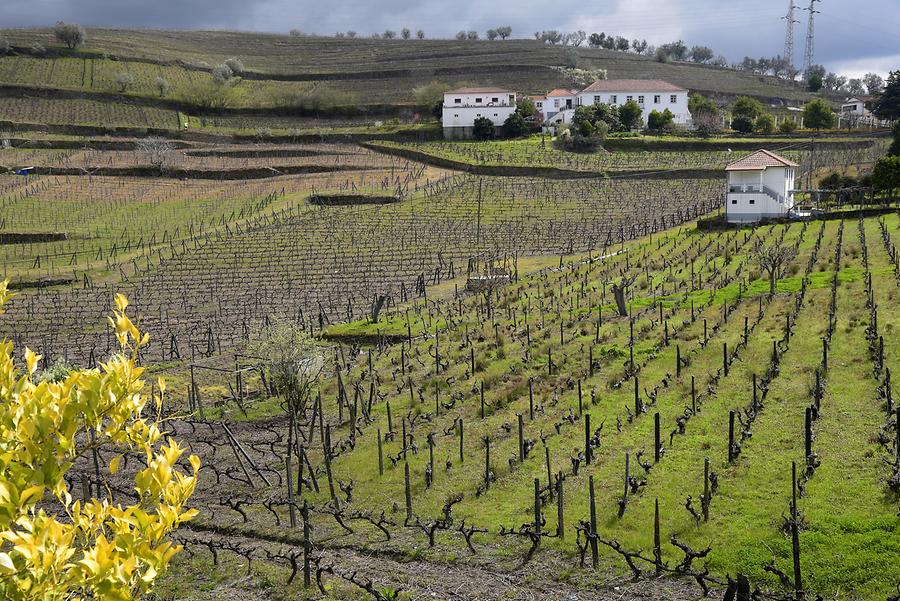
(351, 34)
(158, 152)
(771, 258)
(70, 34)
(504, 32)
(492, 34)
(405, 33)
(472, 35)
(618, 289)
(420, 34)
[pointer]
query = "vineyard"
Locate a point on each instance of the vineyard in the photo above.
(556, 386)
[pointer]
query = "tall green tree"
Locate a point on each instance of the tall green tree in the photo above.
(818, 115)
(888, 105)
(483, 128)
(515, 126)
(886, 175)
(746, 106)
(630, 114)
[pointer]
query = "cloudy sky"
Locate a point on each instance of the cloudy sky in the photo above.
(852, 37)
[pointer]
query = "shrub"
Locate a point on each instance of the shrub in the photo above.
(631, 115)
(586, 137)
(765, 123)
(787, 126)
(886, 175)
(743, 124)
(483, 128)
(235, 64)
(663, 121)
(515, 125)
(221, 74)
(745, 106)
(96, 549)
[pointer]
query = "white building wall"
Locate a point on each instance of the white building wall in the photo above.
(658, 101)
(461, 110)
(746, 200)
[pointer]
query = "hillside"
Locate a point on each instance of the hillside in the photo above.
(317, 75)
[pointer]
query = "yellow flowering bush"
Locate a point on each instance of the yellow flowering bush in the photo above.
(84, 550)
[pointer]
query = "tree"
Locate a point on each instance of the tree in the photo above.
(855, 87)
(888, 105)
(787, 126)
(894, 150)
(631, 115)
(765, 123)
(54, 546)
(886, 175)
(622, 44)
(296, 33)
(405, 33)
(420, 34)
(515, 125)
(551, 36)
(123, 80)
(526, 108)
(639, 46)
(576, 38)
(814, 82)
(504, 32)
(389, 34)
(701, 54)
(5, 46)
(676, 50)
(818, 115)
(70, 34)
(460, 35)
(492, 34)
(608, 114)
(771, 258)
(746, 106)
(813, 71)
(873, 82)
(351, 34)
(483, 128)
(571, 58)
(618, 289)
(293, 360)
(704, 114)
(208, 95)
(162, 86)
(596, 40)
(834, 82)
(159, 152)
(472, 35)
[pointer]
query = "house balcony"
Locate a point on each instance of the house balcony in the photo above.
(744, 189)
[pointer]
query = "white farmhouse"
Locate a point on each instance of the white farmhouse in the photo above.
(857, 106)
(463, 106)
(760, 186)
(651, 94)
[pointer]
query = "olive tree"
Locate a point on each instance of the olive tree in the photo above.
(123, 80)
(158, 152)
(772, 258)
(162, 86)
(70, 34)
(293, 361)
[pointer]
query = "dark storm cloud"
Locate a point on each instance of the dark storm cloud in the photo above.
(849, 35)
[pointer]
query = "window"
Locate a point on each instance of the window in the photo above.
(457, 100)
(456, 115)
(613, 99)
(673, 99)
(656, 99)
(629, 98)
(495, 114)
(478, 100)
(596, 99)
(478, 115)
(734, 201)
(640, 100)
(752, 201)
(495, 100)
(556, 102)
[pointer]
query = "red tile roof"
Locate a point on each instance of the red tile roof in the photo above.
(561, 92)
(487, 90)
(758, 161)
(633, 85)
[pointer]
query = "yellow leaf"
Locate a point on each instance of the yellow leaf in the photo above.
(195, 462)
(6, 564)
(114, 464)
(121, 302)
(31, 360)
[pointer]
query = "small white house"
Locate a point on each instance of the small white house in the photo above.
(760, 186)
(856, 106)
(559, 100)
(463, 106)
(650, 94)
